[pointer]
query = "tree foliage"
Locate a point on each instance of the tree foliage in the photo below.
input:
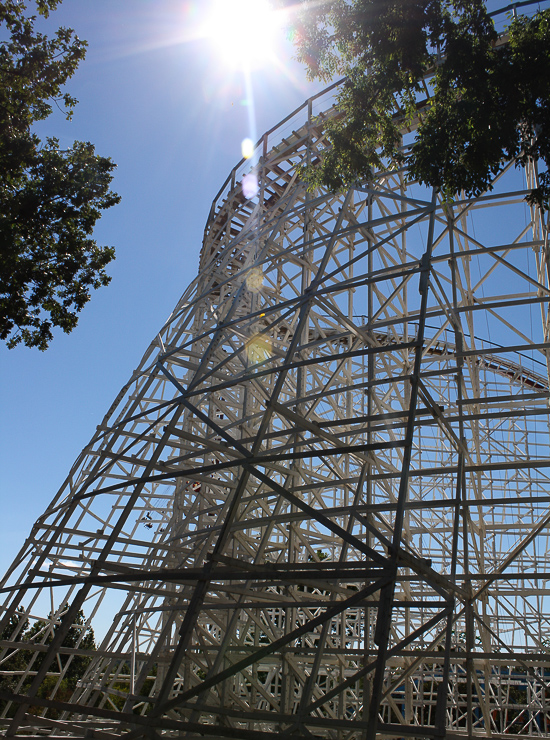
(489, 96)
(50, 199)
(16, 661)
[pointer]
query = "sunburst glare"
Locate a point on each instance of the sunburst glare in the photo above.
(244, 32)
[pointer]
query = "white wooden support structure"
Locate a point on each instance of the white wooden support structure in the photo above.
(319, 507)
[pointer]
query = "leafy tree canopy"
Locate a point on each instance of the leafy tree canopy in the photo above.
(489, 96)
(50, 198)
(15, 661)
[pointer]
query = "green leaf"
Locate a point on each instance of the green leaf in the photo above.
(50, 200)
(489, 102)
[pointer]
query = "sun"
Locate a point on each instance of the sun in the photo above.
(244, 32)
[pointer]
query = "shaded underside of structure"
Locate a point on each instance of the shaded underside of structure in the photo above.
(319, 508)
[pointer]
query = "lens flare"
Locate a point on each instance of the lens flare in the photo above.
(250, 186)
(258, 350)
(247, 148)
(255, 280)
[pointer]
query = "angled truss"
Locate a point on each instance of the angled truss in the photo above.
(319, 507)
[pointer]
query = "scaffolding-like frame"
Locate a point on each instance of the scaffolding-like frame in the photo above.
(319, 508)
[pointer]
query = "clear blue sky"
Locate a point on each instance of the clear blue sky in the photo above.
(157, 98)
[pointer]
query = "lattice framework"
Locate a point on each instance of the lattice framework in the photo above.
(319, 507)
